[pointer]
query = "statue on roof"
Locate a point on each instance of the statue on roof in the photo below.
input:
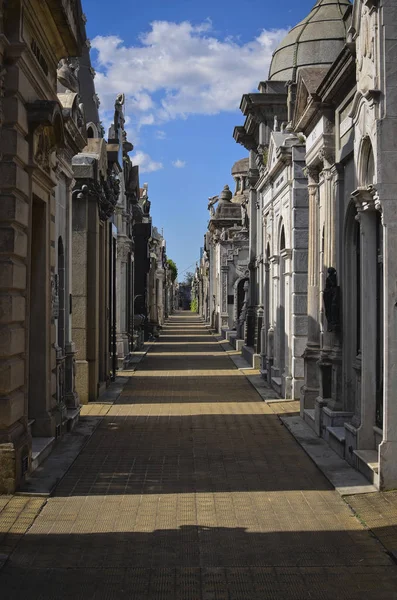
(119, 119)
(244, 214)
(211, 203)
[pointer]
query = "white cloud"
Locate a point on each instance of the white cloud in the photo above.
(160, 134)
(146, 120)
(145, 162)
(179, 69)
(179, 164)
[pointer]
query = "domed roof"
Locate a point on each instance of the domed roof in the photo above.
(241, 166)
(315, 41)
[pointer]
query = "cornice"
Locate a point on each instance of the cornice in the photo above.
(265, 107)
(241, 136)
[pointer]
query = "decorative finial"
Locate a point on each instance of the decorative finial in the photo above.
(226, 195)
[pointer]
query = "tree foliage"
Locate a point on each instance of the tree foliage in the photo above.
(173, 268)
(189, 276)
(194, 305)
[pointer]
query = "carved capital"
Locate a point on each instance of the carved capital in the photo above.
(366, 198)
(313, 175)
(326, 156)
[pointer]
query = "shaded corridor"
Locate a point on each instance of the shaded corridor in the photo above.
(192, 489)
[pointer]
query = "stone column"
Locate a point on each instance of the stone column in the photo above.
(310, 388)
(388, 447)
(366, 214)
(275, 279)
(253, 215)
(85, 286)
(288, 343)
(266, 314)
(224, 289)
(71, 396)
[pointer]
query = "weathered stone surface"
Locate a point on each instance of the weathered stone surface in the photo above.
(14, 208)
(7, 469)
(13, 240)
(12, 340)
(12, 274)
(12, 408)
(12, 375)
(12, 308)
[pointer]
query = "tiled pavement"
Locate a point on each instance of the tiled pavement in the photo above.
(191, 489)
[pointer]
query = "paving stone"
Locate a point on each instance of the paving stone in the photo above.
(192, 489)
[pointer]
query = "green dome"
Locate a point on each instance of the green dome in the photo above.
(315, 41)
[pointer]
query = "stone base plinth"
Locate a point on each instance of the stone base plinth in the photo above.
(388, 465)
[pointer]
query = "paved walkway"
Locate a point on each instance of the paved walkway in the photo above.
(192, 489)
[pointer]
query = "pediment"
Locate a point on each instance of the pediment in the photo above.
(309, 80)
(277, 140)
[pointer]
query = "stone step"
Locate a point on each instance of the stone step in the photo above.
(368, 464)
(336, 440)
(231, 336)
(309, 417)
(277, 384)
(263, 373)
(72, 417)
(41, 448)
(238, 345)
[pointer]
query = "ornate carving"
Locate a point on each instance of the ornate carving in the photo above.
(96, 100)
(366, 198)
(109, 196)
(224, 291)
(363, 30)
(43, 146)
(66, 74)
(105, 192)
(46, 122)
(326, 155)
(54, 296)
(312, 174)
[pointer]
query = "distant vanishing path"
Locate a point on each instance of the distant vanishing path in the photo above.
(191, 489)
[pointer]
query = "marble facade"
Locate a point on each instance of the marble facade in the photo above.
(319, 303)
(70, 214)
(223, 269)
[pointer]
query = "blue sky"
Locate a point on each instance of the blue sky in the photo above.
(184, 66)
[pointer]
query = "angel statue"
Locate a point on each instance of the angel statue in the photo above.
(211, 203)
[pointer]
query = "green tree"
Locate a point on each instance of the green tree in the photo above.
(194, 305)
(173, 268)
(189, 276)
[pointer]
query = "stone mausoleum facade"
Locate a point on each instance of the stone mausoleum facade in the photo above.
(70, 207)
(318, 317)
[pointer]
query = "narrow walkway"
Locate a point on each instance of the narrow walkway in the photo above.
(191, 489)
